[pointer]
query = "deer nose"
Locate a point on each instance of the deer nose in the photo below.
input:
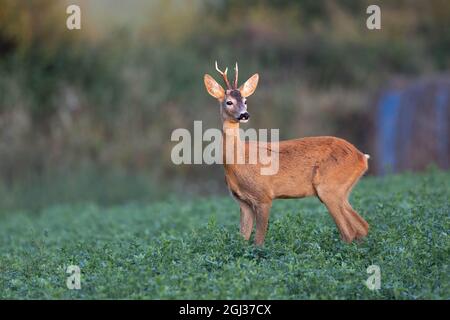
(244, 116)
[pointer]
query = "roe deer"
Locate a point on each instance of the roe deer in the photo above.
(325, 167)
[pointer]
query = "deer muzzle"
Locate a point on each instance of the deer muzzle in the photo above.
(243, 117)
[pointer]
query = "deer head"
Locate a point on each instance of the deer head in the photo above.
(233, 100)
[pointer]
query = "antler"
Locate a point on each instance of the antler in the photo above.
(224, 75)
(236, 71)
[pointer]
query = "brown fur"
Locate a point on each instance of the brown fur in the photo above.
(326, 167)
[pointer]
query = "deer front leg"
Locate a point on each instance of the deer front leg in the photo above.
(262, 221)
(247, 218)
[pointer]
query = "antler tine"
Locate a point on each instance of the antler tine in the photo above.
(220, 71)
(224, 75)
(236, 72)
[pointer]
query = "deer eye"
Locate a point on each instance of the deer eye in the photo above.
(229, 102)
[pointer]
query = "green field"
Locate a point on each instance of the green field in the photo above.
(192, 249)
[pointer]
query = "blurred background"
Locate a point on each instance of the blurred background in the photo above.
(87, 115)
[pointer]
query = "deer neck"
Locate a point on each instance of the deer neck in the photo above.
(230, 139)
(230, 129)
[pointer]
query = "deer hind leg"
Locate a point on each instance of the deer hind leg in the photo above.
(360, 225)
(335, 205)
(335, 196)
(247, 219)
(262, 211)
(354, 219)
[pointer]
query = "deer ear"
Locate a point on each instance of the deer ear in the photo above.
(213, 87)
(249, 86)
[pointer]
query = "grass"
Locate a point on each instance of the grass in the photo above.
(192, 250)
